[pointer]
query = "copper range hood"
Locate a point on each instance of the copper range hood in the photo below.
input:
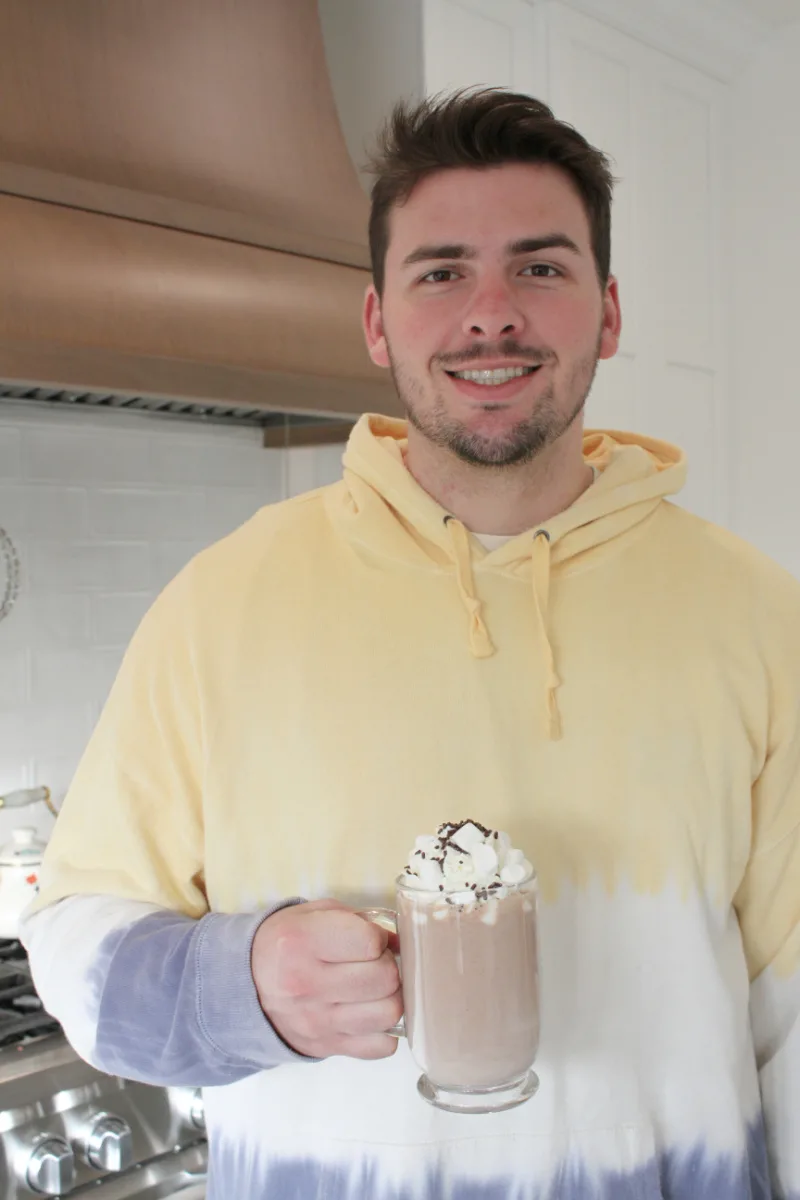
(181, 227)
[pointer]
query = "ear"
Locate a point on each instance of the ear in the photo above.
(373, 328)
(612, 320)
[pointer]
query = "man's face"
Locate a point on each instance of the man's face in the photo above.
(491, 271)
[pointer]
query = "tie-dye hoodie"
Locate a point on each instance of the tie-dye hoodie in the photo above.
(620, 690)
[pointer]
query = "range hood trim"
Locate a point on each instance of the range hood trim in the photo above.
(37, 183)
(77, 373)
(84, 297)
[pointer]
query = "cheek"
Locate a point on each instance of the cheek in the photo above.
(569, 325)
(413, 335)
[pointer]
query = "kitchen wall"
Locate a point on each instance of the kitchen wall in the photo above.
(373, 49)
(104, 510)
(765, 251)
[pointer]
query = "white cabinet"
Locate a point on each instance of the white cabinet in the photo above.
(490, 42)
(664, 125)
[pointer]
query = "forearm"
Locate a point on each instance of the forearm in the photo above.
(151, 994)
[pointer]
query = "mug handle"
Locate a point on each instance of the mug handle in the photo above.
(387, 919)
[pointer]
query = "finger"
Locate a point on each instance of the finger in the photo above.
(339, 935)
(364, 1019)
(357, 982)
(376, 1045)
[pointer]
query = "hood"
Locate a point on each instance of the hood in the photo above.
(390, 515)
(181, 226)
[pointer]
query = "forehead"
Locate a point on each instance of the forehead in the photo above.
(487, 207)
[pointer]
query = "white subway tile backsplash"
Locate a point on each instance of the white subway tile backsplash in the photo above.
(201, 463)
(74, 676)
(53, 727)
(14, 672)
(10, 453)
(54, 618)
(14, 773)
(152, 515)
(53, 512)
(52, 452)
(104, 510)
(13, 728)
(11, 506)
(80, 566)
(115, 616)
(61, 673)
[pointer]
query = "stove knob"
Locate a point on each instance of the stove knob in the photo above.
(197, 1110)
(109, 1145)
(188, 1106)
(51, 1167)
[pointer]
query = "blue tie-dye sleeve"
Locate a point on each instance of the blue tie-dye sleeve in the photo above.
(154, 995)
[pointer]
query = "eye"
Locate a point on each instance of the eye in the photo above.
(537, 267)
(437, 275)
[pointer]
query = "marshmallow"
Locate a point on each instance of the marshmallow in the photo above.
(484, 859)
(516, 872)
(466, 867)
(467, 837)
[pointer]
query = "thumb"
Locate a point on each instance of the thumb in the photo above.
(322, 905)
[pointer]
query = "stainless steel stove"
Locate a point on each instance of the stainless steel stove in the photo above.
(69, 1130)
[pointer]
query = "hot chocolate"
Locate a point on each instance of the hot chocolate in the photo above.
(467, 926)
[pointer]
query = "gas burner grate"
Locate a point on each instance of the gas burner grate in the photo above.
(22, 1017)
(12, 950)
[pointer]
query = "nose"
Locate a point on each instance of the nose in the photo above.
(493, 313)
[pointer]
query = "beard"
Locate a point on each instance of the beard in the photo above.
(551, 418)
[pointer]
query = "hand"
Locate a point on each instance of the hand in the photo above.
(327, 980)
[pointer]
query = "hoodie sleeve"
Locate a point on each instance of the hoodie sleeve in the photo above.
(768, 907)
(154, 995)
(145, 980)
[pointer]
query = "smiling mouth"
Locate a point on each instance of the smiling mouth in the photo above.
(493, 377)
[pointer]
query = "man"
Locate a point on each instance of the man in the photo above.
(492, 616)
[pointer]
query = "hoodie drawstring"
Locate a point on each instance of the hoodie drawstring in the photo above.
(540, 578)
(479, 641)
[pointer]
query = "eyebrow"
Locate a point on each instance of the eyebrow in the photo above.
(456, 250)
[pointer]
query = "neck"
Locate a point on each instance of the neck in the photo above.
(503, 500)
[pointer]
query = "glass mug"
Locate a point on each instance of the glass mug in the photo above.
(470, 993)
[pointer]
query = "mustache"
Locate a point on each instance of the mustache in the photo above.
(509, 348)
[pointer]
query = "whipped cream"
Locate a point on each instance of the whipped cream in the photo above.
(466, 864)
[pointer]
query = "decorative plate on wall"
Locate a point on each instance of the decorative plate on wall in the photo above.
(9, 574)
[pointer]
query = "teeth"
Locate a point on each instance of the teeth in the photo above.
(499, 375)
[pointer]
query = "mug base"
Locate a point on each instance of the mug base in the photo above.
(479, 1100)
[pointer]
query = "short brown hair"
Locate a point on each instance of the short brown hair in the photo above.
(482, 127)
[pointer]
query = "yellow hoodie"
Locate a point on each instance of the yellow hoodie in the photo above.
(618, 689)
